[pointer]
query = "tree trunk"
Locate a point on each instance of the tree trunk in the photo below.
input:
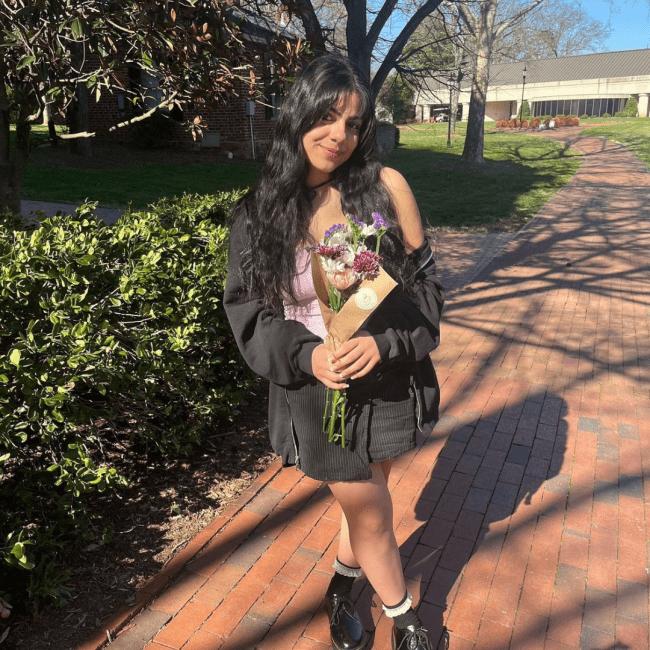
(313, 31)
(482, 34)
(12, 168)
(355, 33)
(400, 42)
(48, 121)
(12, 165)
(78, 122)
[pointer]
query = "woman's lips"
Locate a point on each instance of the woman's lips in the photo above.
(332, 153)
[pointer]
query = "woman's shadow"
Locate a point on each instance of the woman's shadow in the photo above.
(483, 486)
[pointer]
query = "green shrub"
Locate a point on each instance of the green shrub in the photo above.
(584, 116)
(120, 325)
(620, 114)
(524, 111)
(631, 108)
(605, 115)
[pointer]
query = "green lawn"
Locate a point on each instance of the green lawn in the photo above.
(521, 173)
(140, 187)
(633, 132)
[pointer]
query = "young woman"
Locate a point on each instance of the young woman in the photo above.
(322, 166)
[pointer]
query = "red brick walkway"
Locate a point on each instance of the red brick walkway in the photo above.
(522, 518)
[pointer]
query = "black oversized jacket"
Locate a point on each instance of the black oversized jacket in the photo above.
(405, 327)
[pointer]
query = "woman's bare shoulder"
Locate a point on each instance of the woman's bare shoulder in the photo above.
(406, 207)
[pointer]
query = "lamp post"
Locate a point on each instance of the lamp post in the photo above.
(451, 91)
(523, 85)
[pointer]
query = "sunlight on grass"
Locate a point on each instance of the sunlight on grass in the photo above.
(633, 132)
(521, 173)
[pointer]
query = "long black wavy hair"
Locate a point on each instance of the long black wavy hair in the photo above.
(278, 211)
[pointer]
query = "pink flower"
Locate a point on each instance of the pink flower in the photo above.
(342, 280)
(366, 264)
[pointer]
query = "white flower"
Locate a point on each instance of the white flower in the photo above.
(365, 299)
(348, 257)
(368, 230)
(339, 237)
(332, 266)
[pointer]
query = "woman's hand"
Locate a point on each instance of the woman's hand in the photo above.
(321, 367)
(356, 357)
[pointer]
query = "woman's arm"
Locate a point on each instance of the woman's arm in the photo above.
(406, 208)
(403, 327)
(282, 351)
(278, 350)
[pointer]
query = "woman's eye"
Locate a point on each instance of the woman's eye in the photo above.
(355, 126)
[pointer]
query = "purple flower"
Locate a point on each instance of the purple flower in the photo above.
(352, 218)
(366, 264)
(379, 221)
(333, 229)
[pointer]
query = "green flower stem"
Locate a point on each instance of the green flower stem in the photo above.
(334, 414)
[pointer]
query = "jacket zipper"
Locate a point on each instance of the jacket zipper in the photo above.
(292, 433)
(419, 405)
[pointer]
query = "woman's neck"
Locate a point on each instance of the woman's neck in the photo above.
(315, 178)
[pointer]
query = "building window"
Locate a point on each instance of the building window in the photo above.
(594, 107)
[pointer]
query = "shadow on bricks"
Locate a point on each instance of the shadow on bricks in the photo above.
(482, 511)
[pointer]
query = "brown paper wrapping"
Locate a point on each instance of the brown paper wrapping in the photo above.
(342, 326)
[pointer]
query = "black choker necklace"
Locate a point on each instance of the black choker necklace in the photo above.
(311, 192)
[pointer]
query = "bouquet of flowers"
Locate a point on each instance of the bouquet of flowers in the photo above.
(350, 284)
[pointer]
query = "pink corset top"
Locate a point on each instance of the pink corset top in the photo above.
(306, 311)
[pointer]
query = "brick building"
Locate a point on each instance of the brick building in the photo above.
(239, 126)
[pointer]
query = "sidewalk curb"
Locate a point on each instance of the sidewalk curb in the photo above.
(154, 586)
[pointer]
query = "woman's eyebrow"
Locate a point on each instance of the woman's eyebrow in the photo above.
(353, 117)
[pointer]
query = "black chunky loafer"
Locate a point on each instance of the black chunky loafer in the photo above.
(346, 629)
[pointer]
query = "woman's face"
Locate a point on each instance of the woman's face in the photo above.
(331, 141)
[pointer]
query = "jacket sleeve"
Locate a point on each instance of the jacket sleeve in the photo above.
(407, 326)
(277, 349)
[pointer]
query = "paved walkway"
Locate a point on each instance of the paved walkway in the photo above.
(522, 518)
(109, 215)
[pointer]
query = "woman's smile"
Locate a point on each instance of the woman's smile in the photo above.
(333, 138)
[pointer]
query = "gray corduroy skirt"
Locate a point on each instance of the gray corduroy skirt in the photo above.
(381, 421)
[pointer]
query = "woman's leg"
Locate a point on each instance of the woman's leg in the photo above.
(345, 553)
(367, 535)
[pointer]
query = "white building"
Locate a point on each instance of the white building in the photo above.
(590, 84)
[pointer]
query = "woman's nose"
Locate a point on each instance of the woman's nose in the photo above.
(337, 132)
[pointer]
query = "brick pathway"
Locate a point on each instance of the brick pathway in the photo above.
(522, 518)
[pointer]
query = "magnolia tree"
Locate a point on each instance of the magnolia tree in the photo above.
(51, 49)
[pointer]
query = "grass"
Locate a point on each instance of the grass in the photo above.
(634, 133)
(521, 173)
(139, 187)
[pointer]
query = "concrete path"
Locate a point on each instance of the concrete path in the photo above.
(522, 519)
(109, 215)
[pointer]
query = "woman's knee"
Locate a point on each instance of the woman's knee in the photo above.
(372, 527)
